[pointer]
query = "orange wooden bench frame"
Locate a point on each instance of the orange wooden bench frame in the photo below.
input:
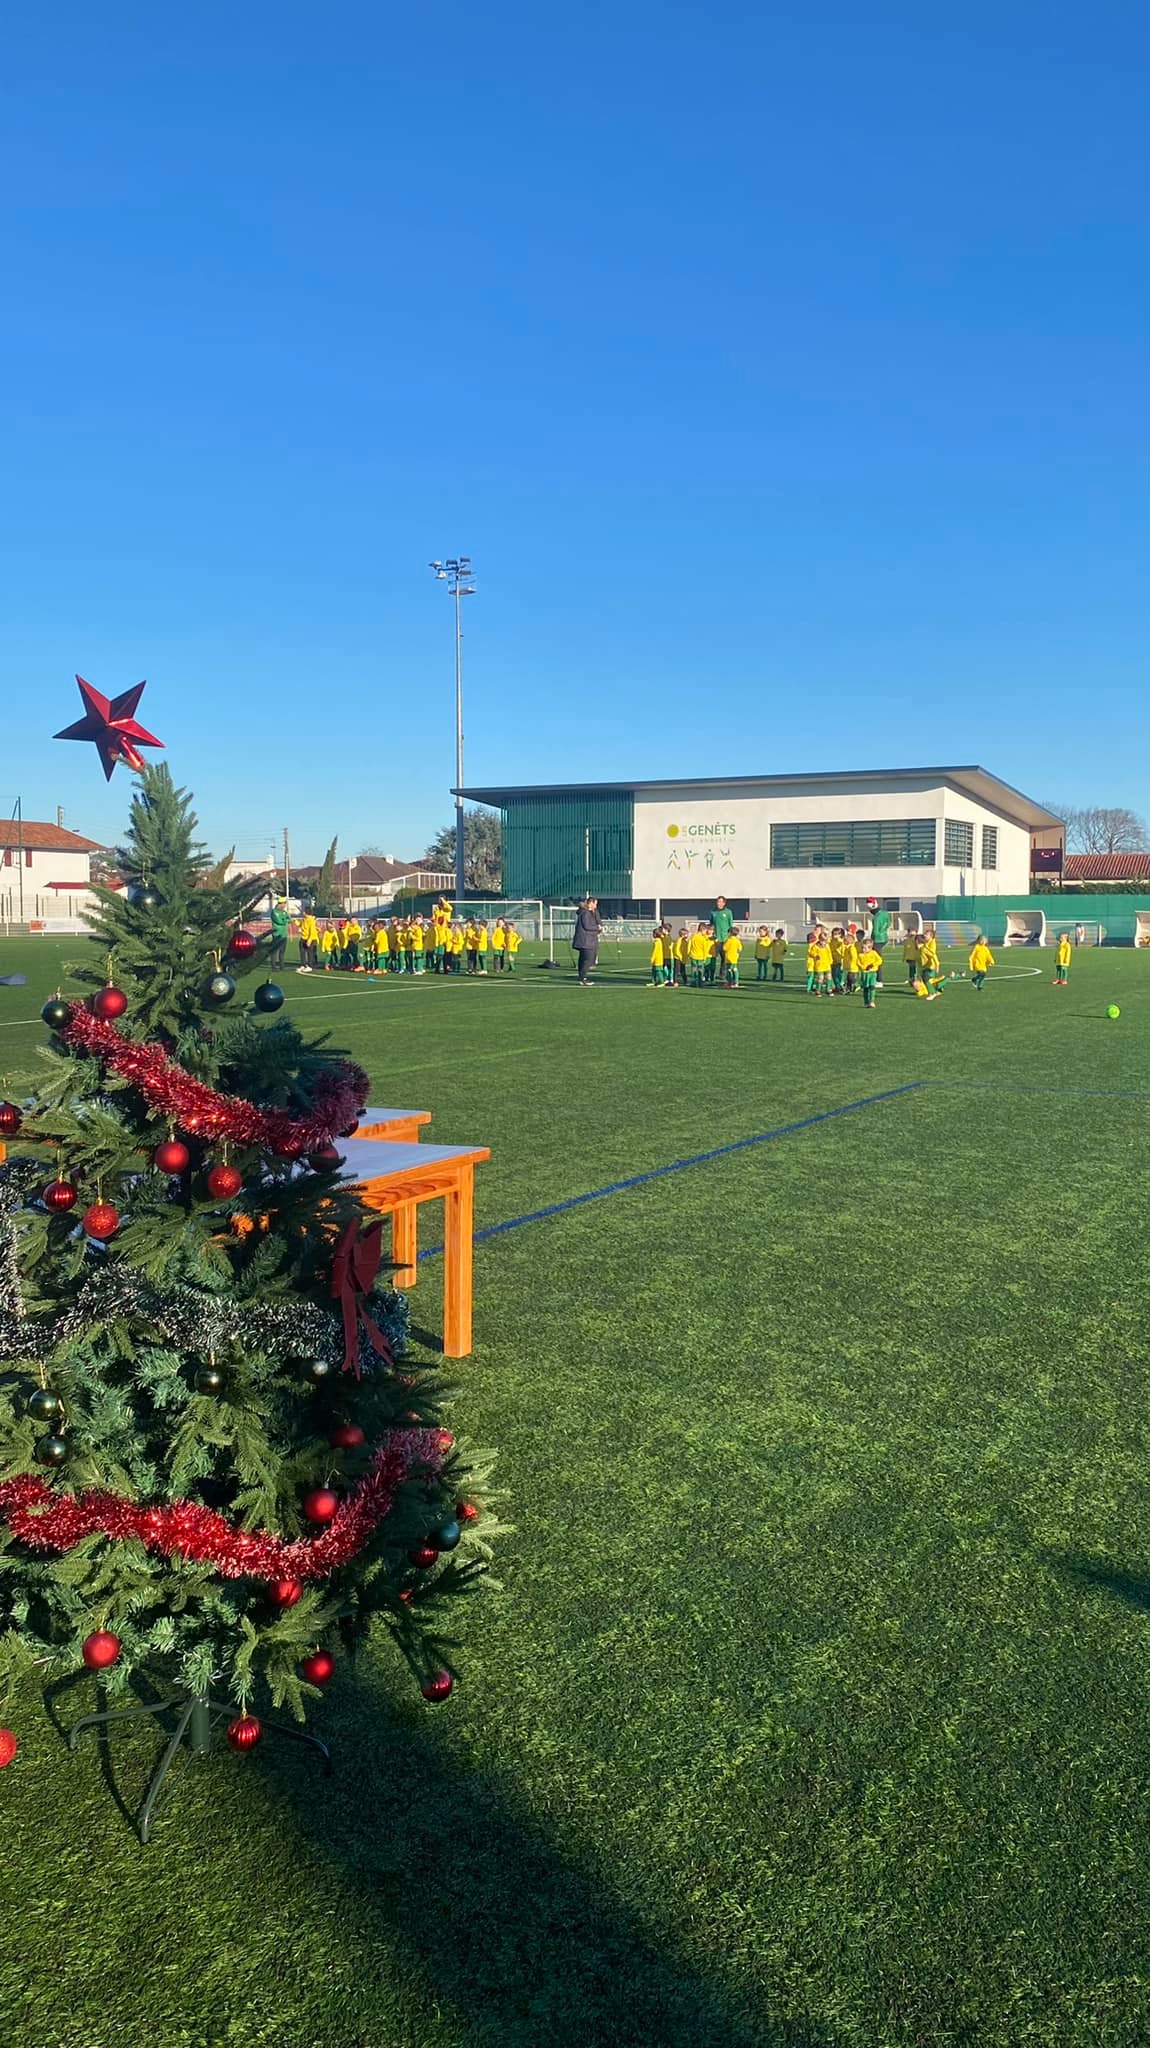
(427, 1173)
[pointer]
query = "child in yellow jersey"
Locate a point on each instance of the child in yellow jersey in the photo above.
(498, 945)
(697, 955)
(762, 953)
(308, 943)
(681, 950)
(514, 940)
(710, 965)
(481, 942)
(910, 955)
(457, 943)
(658, 965)
(812, 949)
(329, 946)
(382, 949)
(870, 961)
(418, 948)
(981, 958)
(851, 962)
(823, 958)
(927, 954)
(732, 952)
(352, 942)
(1062, 962)
(838, 947)
(779, 951)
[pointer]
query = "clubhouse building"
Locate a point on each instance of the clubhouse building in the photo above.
(780, 847)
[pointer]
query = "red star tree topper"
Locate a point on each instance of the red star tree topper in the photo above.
(111, 723)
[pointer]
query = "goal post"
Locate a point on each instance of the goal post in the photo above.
(1081, 931)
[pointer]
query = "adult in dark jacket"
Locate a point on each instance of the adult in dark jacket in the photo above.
(585, 938)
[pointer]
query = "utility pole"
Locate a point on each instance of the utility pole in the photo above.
(287, 865)
(457, 574)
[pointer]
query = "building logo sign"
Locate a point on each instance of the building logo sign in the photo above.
(701, 847)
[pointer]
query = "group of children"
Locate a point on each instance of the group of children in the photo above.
(697, 958)
(843, 961)
(438, 944)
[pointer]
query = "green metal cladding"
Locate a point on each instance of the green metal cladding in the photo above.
(576, 844)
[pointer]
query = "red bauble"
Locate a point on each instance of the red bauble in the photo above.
(109, 1003)
(423, 1557)
(172, 1157)
(444, 1439)
(466, 1511)
(9, 1119)
(289, 1148)
(8, 1746)
(318, 1668)
(320, 1504)
(244, 1732)
(224, 1182)
(100, 1650)
(322, 1161)
(286, 1592)
(101, 1221)
(346, 1436)
(60, 1196)
(242, 945)
(438, 1687)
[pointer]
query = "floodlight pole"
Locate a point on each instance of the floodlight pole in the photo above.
(456, 573)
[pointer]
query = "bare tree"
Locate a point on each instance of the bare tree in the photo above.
(1102, 828)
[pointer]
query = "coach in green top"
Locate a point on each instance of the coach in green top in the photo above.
(277, 952)
(880, 929)
(722, 921)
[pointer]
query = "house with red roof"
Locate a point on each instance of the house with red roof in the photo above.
(45, 874)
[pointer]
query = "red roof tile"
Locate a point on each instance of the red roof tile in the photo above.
(1107, 867)
(44, 838)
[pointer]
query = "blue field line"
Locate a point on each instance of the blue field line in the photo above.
(638, 1180)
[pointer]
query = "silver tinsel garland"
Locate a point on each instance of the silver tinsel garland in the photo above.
(195, 1321)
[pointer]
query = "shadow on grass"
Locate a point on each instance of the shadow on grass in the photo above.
(1132, 1587)
(526, 1945)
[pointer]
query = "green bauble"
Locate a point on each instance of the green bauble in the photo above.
(44, 1406)
(209, 1380)
(53, 1450)
(447, 1536)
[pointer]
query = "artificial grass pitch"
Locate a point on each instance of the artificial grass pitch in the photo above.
(813, 1709)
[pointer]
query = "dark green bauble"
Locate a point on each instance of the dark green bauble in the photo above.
(269, 996)
(447, 1535)
(318, 1369)
(55, 1013)
(44, 1406)
(221, 988)
(209, 1380)
(53, 1450)
(144, 897)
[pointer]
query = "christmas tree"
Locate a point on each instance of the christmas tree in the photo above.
(216, 1469)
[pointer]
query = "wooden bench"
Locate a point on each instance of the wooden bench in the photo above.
(400, 1126)
(395, 1179)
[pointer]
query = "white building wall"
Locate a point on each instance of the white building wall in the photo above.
(25, 884)
(698, 843)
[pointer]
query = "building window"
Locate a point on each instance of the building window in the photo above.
(871, 843)
(959, 844)
(990, 846)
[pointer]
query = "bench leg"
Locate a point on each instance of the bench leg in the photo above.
(404, 1241)
(459, 1225)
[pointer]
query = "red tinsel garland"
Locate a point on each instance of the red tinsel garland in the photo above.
(340, 1093)
(58, 1521)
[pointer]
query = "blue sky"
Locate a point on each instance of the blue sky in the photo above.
(782, 369)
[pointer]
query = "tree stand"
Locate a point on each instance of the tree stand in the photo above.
(197, 1714)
